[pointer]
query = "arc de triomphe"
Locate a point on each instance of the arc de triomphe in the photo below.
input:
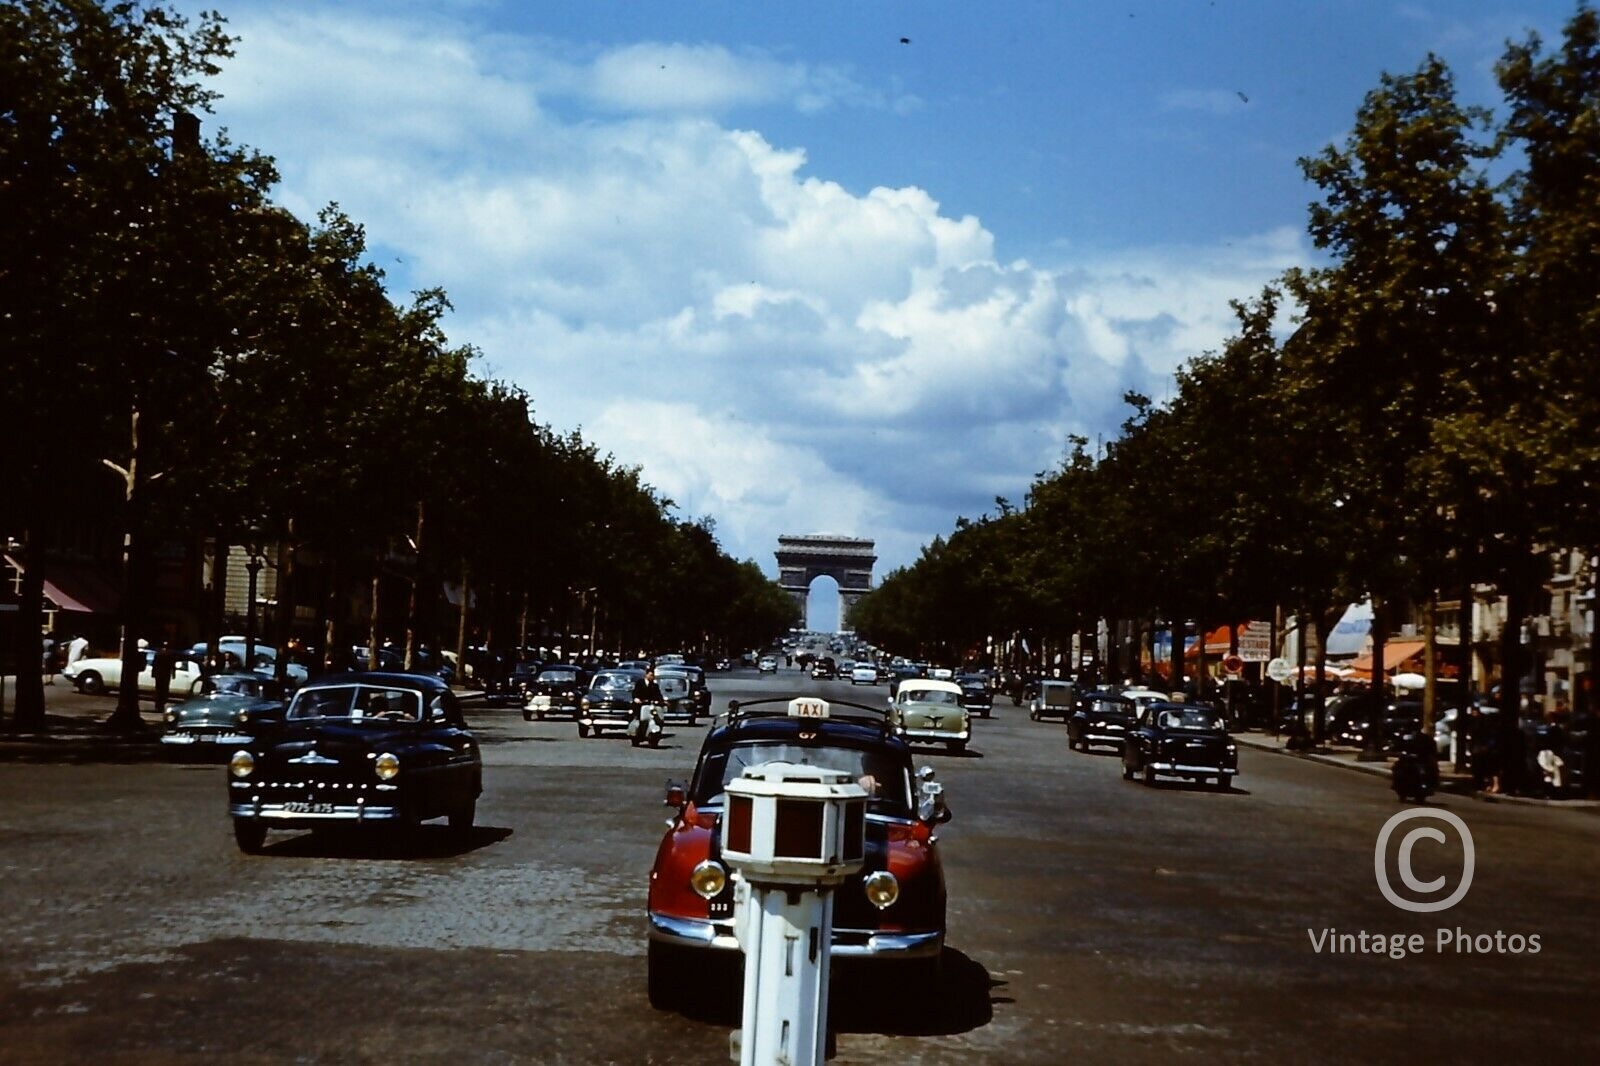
(848, 560)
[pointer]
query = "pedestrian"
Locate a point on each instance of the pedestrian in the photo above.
(48, 666)
(163, 666)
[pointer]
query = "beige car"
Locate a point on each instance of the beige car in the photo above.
(930, 711)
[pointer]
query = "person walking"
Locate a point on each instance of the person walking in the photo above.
(163, 665)
(48, 665)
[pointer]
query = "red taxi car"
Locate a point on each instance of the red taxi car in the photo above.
(894, 909)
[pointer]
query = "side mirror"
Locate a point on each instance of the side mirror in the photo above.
(932, 809)
(677, 795)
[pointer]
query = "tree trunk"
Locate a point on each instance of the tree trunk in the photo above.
(373, 630)
(29, 705)
(461, 623)
(412, 596)
(283, 615)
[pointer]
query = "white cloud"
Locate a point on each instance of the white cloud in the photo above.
(774, 350)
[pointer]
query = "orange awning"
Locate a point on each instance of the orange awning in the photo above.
(1395, 653)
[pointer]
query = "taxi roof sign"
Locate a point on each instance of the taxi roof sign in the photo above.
(808, 707)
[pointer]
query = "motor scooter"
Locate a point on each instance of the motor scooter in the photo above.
(1415, 774)
(645, 727)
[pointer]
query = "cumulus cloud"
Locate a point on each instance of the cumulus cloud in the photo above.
(775, 350)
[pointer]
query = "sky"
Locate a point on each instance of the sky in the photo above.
(854, 267)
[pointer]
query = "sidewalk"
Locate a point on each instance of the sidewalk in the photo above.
(74, 729)
(1347, 759)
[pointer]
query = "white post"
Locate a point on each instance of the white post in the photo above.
(792, 833)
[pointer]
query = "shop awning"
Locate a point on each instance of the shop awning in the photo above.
(1397, 653)
(76, 588)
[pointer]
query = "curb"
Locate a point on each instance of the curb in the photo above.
(1382, 770)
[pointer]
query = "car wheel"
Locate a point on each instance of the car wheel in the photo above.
(583, 731)
(1127, 772)
(462, 817)
(667, 976)
(988, 713)
(527, 715)
(1149, 776)
(958, 746)
(1222, 783)
(90, 683)
(249, 834)
(635, 741)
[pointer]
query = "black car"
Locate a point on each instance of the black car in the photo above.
(824, 670)
(1180, 740)
(505, 682)
(698, 692)
(368, 750)
(557, 689)
(608, 704)
(975, 694)
(1100, 718)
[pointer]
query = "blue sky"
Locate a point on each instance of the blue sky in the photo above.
(809, 277)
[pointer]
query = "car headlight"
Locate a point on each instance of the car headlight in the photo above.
(171, 717)
(243, 718)
(882, 888)
(386, 766)
(242, 764)
(708, 879)
(1233, 749)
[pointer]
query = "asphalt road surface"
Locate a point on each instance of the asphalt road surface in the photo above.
(1091, 919)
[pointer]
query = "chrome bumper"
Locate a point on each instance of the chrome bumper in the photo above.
(1186, 768)
(935, 734)
(847, 943)
(205, 738)
(340, 813)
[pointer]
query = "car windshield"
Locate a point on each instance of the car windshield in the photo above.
(885, 777)
(1109, 707)
(232, 685)
(1189, 718)
(559, 677)
(932, 695)
(612, 683)
(357, 703)
(673, 687)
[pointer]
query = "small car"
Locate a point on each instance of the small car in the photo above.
(91, 676)
(367, 750)
(698, 692)
(975, 694)
(228, 709)
(557, 689)
(891, 912)
(1180, 740)
(1102, 718)
(823, 670)
(767, 665)
(923, 709)
(678, 702)
(1053, 698)
(864, 674)
(608, 704)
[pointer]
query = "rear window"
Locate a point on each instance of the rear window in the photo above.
(886, 777)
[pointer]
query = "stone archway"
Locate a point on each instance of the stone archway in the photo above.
(848, 560)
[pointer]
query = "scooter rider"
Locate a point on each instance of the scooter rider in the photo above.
(647, 701)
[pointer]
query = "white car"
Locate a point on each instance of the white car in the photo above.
(767, 665)
(864, 674)
(99, 675)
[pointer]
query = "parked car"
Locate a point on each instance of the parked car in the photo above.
(892, 911)
(363, 751)
(976, 695)
(767, 665)
(1180, 740)
(557, 689)
(90, 676)
(864, 674)
(228, 709)
(1102, 718)
(930, 711)
(1052, 698)
(608, 704)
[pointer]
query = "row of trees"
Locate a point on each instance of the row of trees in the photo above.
(184, 359)
(1429, 425)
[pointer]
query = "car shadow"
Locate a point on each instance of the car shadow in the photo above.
(422, 842)
(872, 997)
(963, 753)
(1173, 784)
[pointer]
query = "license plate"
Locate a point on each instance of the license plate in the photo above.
(296, 807)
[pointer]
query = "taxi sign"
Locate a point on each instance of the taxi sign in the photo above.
(808, 707)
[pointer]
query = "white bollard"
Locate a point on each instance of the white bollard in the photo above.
(792, 833)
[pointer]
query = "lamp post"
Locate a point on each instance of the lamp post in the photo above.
(253, 566)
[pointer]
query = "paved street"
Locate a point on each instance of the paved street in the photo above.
(1091, 919)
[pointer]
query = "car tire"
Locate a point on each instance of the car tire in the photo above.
(1223, 784)
(667, 976)
(462, 817)
(635, 741)
(958, 747)
(1149, 776)
(250, 834)
(91, 683)
(583, 731)
(1127, 772)
(527, 715)
(987, 713)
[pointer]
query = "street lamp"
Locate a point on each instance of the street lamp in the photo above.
(256, 562)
